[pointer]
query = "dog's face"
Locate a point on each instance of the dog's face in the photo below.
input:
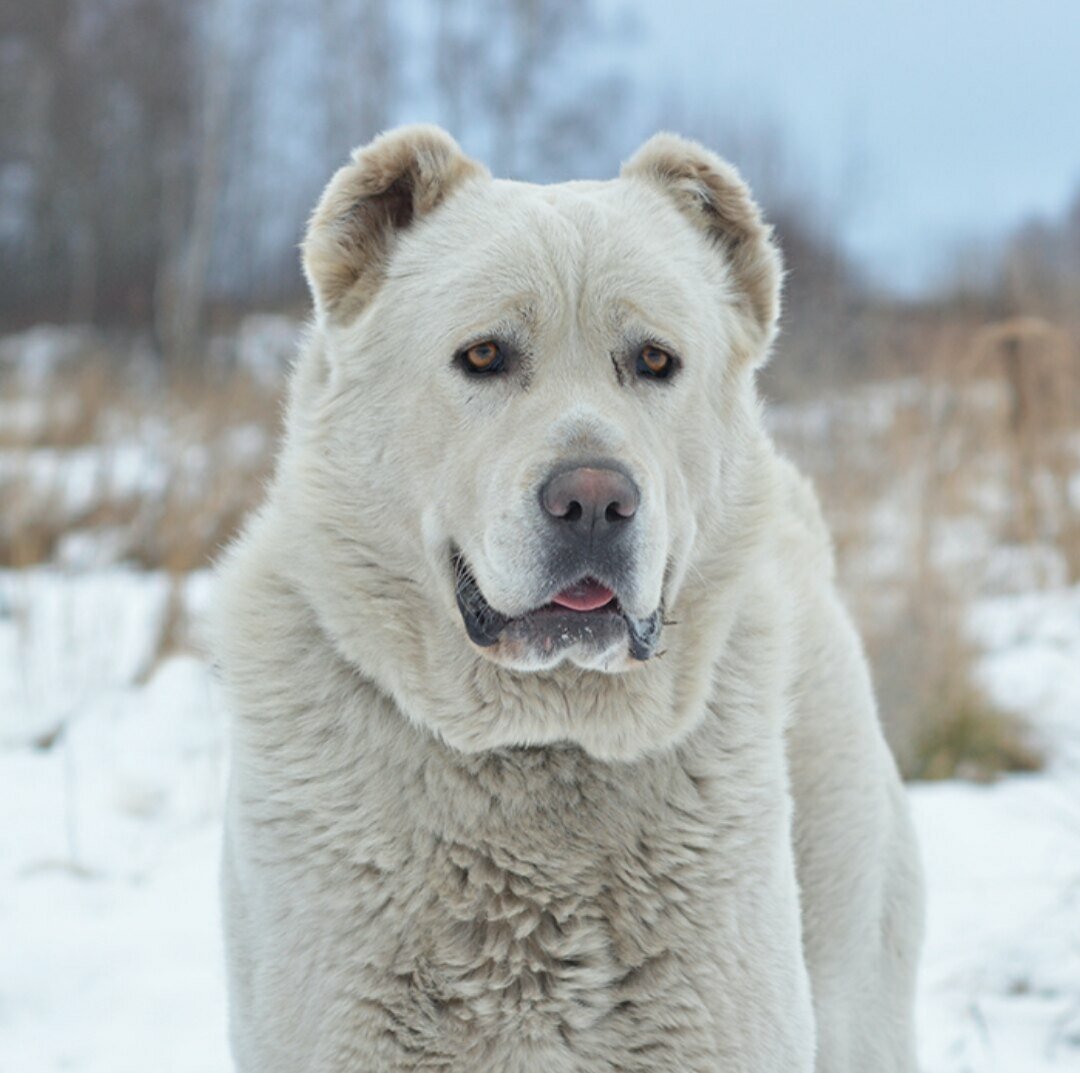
(549, 415)
(521, 425)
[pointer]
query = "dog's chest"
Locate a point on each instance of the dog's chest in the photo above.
(559, 931)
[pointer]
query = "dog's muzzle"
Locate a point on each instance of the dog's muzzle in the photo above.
(583, 613)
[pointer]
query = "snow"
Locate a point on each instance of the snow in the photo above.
(113, 975)
(266, 344)
(66, 639)
(1000, 985)
(1001, 977)
(73, 481)
(1031, 665)
(37, 353)
(109, 841)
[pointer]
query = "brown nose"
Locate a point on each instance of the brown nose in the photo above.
(592, 504)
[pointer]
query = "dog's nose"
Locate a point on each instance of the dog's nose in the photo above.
(592, 504)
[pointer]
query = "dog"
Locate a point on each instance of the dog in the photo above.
(553, 749)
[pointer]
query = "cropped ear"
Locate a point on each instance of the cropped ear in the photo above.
(711, 193)
(400, 176)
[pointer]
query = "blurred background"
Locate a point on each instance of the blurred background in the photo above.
(158, 159)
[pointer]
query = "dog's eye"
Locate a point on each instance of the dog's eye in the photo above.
(654, 362)
(485, 357)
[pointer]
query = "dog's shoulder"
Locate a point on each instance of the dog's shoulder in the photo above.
(803, 532)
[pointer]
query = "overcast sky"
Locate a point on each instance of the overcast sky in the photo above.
(938, 122)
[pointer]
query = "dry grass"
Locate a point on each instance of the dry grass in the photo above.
(966, 737)
(927, 482)
(157, 471)
(1029, 418)
(938, 721)
(60, 411)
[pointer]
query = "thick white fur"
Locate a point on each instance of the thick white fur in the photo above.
(446, 859)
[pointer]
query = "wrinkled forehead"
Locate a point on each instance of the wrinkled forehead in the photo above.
(587, 255)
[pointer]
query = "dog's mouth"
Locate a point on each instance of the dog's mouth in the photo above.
(586, 613)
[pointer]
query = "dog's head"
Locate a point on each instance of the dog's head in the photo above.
(523, 438)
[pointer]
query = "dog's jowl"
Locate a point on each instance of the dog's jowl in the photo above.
(553, 748)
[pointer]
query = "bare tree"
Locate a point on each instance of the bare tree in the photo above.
(103, 136)
(182, 278)
(506, 77)
(360, 66)
(162, 154)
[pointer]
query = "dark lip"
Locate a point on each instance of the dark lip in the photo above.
(486, 626)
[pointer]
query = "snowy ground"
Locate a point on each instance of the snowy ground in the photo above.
(109, 843)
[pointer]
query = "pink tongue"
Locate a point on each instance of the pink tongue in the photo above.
(586, 595)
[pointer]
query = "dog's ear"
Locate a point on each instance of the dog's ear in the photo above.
(391, 182)
(711, 193)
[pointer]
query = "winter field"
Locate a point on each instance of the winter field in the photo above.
(956, 509)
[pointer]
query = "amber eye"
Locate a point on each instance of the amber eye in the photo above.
(654, 362)
(485, 357)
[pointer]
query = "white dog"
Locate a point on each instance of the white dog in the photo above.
(553, 748)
